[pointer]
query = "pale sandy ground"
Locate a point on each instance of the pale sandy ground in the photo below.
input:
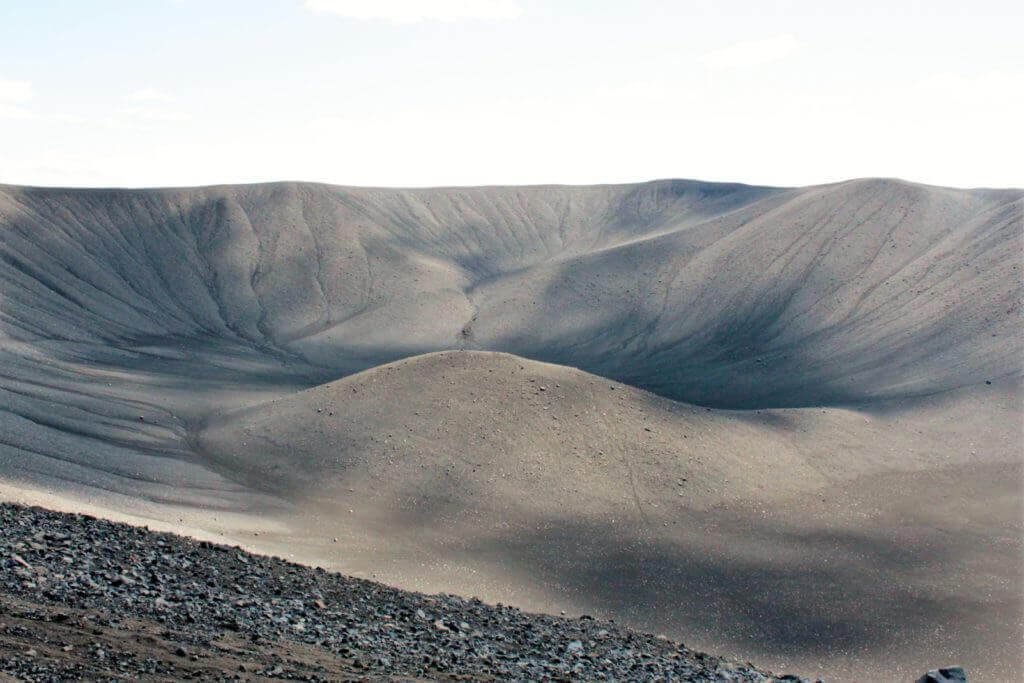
(850, 504)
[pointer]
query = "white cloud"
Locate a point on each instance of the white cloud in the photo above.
(412, 11)
(148, 109)
(154, 115)
(644, 90)
(753, 52)
(981, 88)
(149, 95)
(10, 111)
(15, 92)
(72, 119)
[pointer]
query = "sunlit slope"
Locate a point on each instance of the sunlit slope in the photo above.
(480, 432)
(830, 540)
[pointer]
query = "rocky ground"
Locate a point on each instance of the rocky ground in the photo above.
(84, 598)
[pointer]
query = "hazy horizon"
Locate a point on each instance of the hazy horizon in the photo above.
(287, 181)
(438, 93)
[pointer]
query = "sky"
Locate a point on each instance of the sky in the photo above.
(142, 93)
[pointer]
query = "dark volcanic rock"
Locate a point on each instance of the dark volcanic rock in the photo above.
(84, 598)
(949, 674)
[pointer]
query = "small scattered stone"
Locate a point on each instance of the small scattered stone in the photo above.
(203, 593)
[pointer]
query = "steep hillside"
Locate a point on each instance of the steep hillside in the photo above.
(793, 416)
(715, 294)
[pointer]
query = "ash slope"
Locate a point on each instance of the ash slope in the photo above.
(827, 541)
(714, 294)
(475, 432)
(129, 318)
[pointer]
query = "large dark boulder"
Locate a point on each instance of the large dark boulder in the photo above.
(949, 674)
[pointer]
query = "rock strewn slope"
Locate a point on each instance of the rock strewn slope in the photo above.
(73, 586)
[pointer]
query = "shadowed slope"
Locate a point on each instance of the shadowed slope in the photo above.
(717, 294)
(839, 294)
(270, 264)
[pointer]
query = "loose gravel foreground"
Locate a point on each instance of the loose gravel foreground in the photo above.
(84, 598)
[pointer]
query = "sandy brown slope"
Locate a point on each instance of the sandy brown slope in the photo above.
(835, 538)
